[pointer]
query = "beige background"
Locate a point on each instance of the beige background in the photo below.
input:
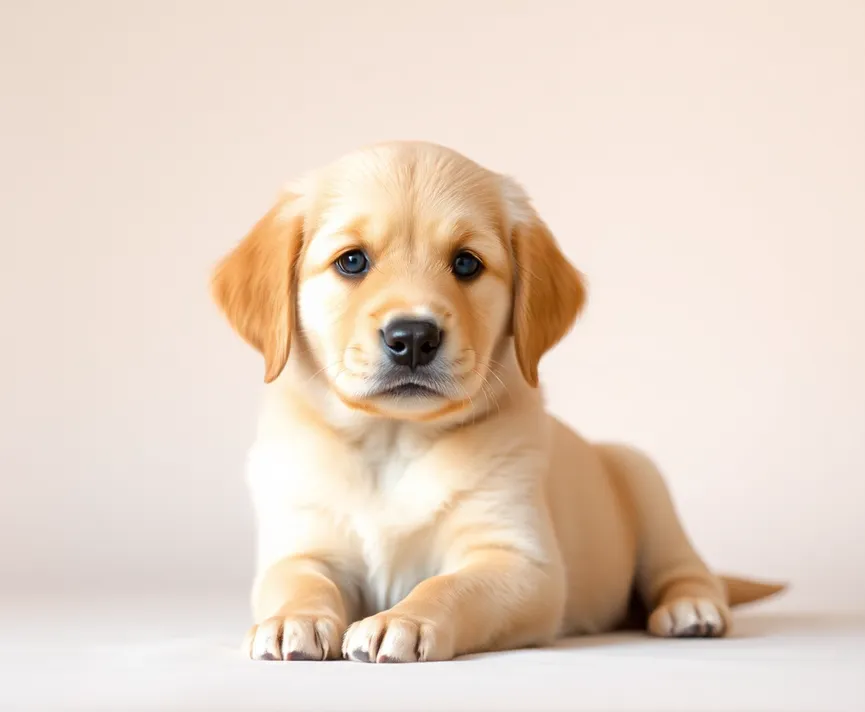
(703, 163)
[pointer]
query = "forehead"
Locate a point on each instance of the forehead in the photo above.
(391, 197)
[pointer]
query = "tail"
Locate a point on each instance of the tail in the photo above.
(741, 591)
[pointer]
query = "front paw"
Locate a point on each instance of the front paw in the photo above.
(393, 637)
(294, 638)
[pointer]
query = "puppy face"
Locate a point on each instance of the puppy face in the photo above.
(404, 270)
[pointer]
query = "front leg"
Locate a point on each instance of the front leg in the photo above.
(299, 612)
(496, 598)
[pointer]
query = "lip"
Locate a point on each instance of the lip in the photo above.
(409, 390)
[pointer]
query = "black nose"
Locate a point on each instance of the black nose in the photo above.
(411, 342)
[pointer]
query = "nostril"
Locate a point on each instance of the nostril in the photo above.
(398, 347)
(432, 342)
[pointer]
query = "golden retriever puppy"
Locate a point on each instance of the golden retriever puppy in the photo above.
(413, 499)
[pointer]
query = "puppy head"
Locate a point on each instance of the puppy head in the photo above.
(401, 271)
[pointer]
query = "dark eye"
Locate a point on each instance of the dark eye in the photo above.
(466, 265)
(352, 263)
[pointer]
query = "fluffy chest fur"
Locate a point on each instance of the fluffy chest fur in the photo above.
(393, 537)
(372, 498)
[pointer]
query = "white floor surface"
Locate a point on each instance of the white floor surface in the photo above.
(130, 654)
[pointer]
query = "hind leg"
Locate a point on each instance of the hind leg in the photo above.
(684, 598)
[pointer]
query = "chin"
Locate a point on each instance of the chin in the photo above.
(408, 402)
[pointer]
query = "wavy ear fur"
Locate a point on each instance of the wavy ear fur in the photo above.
(254, 283)
(549, 292)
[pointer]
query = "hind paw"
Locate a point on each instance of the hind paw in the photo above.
(689, 618)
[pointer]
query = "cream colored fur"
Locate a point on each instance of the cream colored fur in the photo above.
(393, 531)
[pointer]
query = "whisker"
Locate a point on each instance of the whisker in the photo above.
(471, 402)
(486, 387)
(322, 370)
(499, 379)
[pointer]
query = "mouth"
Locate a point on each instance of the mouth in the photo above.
(409, 390)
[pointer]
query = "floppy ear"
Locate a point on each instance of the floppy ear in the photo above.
(254, 284)
(548, 293)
